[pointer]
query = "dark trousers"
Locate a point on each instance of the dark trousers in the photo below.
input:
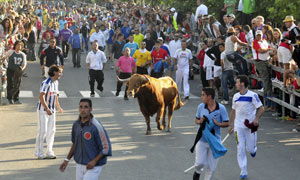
(76, 53)
(98, 76)
(246, 19)
(38, 34)
(239, 61)
(86, 43)
(203, 78)
(65, 48)
(264, 73)
(119, 84)
(31, 55)
(227, 76)
(141, 70)
(14, 78)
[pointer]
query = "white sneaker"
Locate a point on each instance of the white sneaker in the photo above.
(224, 102)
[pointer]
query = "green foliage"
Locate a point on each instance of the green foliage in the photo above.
(273, 10)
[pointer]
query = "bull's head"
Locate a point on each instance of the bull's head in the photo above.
(135, 83)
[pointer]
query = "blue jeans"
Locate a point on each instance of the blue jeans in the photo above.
(86, 42)
(227, 76)
(239, 61)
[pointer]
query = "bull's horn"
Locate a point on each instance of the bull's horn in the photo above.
(122, 80)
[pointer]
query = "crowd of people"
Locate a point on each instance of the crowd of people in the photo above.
(152, 41)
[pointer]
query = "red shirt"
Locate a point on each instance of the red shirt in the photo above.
(44, 34)
(157, 56)
(242, 37)
(200, 57)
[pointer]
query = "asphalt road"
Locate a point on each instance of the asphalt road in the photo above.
(160, 156)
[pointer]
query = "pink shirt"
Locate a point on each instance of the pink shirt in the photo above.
(126, 64)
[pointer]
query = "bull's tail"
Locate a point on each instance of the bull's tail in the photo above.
(180, 103)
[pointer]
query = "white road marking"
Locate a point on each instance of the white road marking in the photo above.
(26, 94)
(86, 94)
(62, 94)
(121, 95)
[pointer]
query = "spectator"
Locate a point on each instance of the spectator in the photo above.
(201, 9)
(229, 5)
(76, 42)
(201, 57)
(247, 12)
(16, 65)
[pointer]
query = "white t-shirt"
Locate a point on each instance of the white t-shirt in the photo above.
(174, 46)
(202, 9)
(245, 107)
(183, 58)
(96, 60)
(227, 64)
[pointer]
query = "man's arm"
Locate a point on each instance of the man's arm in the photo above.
(258, 115)
(66, 161)
(231, 121)
(42, 100)
(58, 105)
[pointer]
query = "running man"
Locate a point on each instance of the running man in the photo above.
(244, 105)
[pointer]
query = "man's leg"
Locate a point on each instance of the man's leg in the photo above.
(100, 80)
(241, 152)
(74, 57)
(251, 139)
(200, 159)
(41, 134)
(17, 79)
(80, 170)
(92, 76)
(186, 86)
(224, 78)
(10, 81)
(64, 44)
(212, 165)
(93, 174)
(179, 76)
(78, 58)
(51, 128)
(67, 50)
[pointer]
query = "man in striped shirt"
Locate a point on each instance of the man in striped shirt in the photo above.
(48, 99)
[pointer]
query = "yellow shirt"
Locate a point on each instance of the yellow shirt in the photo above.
(92, 31)
(138, 39)
(141, 58)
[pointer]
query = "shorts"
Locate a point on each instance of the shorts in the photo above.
(209, 73)
(217, 71)
(284, 55)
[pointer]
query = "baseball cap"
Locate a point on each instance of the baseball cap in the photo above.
(258, 32)
(160, 38)
(172, 9)
(231, 15)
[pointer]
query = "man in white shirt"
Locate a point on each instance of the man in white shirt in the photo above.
(245, 120)
(260, 51)
(95, 62)
(182, 63)
(201, 9)
(174, 45)
(99, 37)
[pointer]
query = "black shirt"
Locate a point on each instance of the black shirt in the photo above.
(117, 49)
(217, 53)
(149, 44)
(53, 56)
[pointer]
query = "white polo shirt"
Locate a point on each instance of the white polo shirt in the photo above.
(263, 44)
(183, 58)
(100, 37)
(245, 106)
(96, 60)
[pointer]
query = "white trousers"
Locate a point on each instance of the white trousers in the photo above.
(46, 130)
(46, 71)
(204, 157)
(87, 174)
(245, 141)
(183, 74)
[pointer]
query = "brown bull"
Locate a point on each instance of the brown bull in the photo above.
(154, 96)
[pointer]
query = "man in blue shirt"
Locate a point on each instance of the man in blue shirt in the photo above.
(217, 112)
(90, 144)
(126, 30)
(76, 43)
(133, 46)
